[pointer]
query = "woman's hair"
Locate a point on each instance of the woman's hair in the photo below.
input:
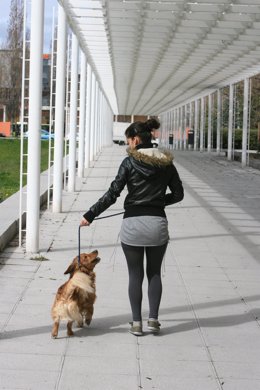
(142, 130)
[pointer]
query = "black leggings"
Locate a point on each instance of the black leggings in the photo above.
(135, 259)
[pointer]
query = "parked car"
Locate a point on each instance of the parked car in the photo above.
(45, 135)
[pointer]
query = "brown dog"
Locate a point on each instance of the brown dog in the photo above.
(75, 299)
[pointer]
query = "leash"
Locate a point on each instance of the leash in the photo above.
(107, 216)
(79, 245)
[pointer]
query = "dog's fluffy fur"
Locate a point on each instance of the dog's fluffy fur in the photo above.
(75, 299)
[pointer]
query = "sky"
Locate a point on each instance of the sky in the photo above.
(4, 18)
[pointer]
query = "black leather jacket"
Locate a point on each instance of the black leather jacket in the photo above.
(147, 173)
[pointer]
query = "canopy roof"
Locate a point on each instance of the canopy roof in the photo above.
(152, 55)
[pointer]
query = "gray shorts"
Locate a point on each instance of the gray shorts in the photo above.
(146, 230)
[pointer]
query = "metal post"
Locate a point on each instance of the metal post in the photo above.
(202, 120)
(73, 113)
(230, 120)
(218, 121)
(209, 122)
(245, 123)
(88, 116)
(196, 124)
(34, 125)
(82, 114)
(59, 111)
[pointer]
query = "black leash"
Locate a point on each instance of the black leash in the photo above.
(107, 216)
(79, 244)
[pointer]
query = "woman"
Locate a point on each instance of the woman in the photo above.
(147, 172)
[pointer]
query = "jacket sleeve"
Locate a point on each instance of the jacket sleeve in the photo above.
(176, 188)
(111, 195)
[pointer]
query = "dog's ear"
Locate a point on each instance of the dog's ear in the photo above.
(70, 269)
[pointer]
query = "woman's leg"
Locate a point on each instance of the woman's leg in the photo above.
(154, 256)
(134, 257)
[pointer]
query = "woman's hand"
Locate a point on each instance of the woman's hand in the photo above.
(84, 222)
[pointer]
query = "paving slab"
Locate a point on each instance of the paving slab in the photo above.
(210, 308)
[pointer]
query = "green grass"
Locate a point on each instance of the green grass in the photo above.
(10, 165)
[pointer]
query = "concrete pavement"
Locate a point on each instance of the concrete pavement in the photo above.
(210, 337)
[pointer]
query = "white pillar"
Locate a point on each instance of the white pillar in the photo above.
(230, 120)
(96, 118)
(175, 129)
(196, 124)
(209, 122)
(4, 113)
(190, 116)
(181, 127)
(59, 111)
(218, 121)
(93, 109)
(73, 113)
(82, 114)
(88, 116)
(34, 127)
(245, 123)
(185, 126)
(202, 121)
(101, 136)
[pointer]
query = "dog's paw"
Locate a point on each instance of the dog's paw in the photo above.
(88, 321)
(70, 334)
(54, 336)
(80, 324)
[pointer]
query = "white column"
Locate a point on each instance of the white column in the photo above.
(178, 128)
(182, 127)
(82, 114)
(245, 123)
(196, 124)
(96, 118)
(218, 121)
(101, 135)
(34, 127)
(88, 116)
(185, 126)
(190, 116)
(93, 109)
(59, 111)
(175, 129)
(73, 113)
(191, 124)
(209, 122)
(230, 120)
(4, 113)
(202, 121)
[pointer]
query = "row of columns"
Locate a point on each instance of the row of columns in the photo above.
(95, 119)
(177, 121)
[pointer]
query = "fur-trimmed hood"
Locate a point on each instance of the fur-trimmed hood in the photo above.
(149, 161)
(152, 156)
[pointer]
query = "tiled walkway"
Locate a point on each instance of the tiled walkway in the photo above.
(210, 336)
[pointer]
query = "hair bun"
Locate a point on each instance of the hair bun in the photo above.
(152, 124)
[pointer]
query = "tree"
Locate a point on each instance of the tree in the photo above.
(14, 45)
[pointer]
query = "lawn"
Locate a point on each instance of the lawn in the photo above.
(10, 164)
